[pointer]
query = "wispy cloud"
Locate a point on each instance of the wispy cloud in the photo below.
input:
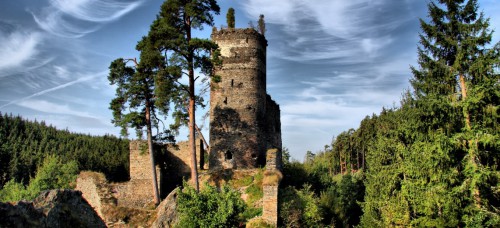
(95, 11)
(18, 48)
(49, 107)
(335, 29)
(79, 80)
(76, 18)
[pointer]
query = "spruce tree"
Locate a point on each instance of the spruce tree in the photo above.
(459, 72)
(171, 36)
(439, 161)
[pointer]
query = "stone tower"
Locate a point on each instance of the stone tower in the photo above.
(244, 120)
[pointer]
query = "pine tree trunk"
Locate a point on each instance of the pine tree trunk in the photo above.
(191, 110)
(192, 141)
(151, 154)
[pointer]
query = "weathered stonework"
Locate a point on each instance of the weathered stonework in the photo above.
(94, 190)
(244, 120)
(272, 178)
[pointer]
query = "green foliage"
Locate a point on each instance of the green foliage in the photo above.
(285, 155)
(170, 41)
(432, 161)
(254, 190)
(24, 145)
(258, 223)
(52, 174)
(340, 201)
(13, 191)
(299, 208)
(209, 207)
(294, 175)
(230, 18)
(250, 212)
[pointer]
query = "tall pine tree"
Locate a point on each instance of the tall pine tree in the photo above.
(171, 36)
(143, 93)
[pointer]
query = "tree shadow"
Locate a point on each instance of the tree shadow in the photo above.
(234, 143)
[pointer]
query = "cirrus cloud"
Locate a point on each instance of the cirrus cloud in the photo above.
(76, 18)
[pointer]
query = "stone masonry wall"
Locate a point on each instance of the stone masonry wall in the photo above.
(89, 186)
(238, 101)
(96, 190)
(272, 177)
(273, 125)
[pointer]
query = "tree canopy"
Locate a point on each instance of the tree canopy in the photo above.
(170, 36)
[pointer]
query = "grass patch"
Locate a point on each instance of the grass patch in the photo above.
(254, 190)
(255, 193)
(251, 212)
(258, 223)
(272, 177)
(245, 181)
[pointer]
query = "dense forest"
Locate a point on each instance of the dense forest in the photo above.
(24, 145)
(431, 161)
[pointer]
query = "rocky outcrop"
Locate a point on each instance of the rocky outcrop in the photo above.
(167, 211)
(54, 208)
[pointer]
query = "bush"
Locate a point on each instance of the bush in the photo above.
(13, 191)
(209, 207)
(53, 174)
(299, 208)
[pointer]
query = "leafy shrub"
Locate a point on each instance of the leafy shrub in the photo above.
(299, 208)
(209, 207)
(53, 174)
(251, 212)
(13, 191)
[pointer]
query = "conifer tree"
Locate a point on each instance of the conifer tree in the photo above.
(439, 160)
(230, 18)
(457, 69)
(143, 90)
(171, 36)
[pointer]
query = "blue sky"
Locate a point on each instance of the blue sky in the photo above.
(330, 63)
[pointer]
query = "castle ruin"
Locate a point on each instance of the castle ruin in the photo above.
(245, 133)
(244, 120)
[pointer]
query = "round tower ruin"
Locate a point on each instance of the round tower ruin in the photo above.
(238, 101)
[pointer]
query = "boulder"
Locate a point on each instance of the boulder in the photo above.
(54, 208)
(167, 211)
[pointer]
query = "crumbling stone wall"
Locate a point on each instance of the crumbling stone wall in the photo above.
(273, 125)
(94, 189)
(272, 178)
(138, 192)
(175, 163)
(239, 123)
(172, 167)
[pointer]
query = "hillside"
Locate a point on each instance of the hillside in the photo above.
(25, 144)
